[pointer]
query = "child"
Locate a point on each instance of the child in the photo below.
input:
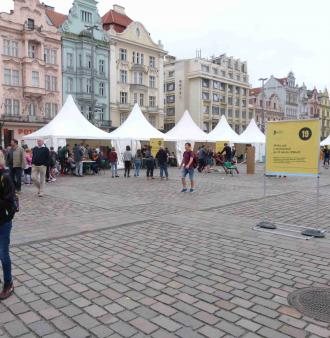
(28, 167)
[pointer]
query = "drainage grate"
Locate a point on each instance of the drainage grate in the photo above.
(312, 302)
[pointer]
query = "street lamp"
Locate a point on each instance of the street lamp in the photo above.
(263, 102)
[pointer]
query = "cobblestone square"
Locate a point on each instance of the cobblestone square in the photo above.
(103, 257)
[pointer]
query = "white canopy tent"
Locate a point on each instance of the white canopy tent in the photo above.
(326, 142)
(253, 135)
(69, 123)
(223, 132)
(186, 130)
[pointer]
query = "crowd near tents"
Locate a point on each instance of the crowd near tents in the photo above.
(70, 125)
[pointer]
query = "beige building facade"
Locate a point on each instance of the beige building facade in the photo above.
(207, 88)
(136, 69)
(30, 62)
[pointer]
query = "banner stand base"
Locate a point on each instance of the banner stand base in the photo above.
(266, 225)
(317, 233)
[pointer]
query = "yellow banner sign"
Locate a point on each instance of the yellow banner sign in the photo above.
(155, 144)
(292, 147)
(219, 145)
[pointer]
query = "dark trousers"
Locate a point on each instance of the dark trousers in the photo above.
(127, 168)
(201, 164)
(5, 229)
(16, 176)
(150, 168)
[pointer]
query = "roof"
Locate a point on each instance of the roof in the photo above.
(283, 80)
(118, 21)
(255, 91)
(223, 132)
(56, 18)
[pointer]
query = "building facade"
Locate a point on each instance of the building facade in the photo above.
(136, 68)
(85, 60)
(313, 104)
(207, 88)
(30, 61)
(264, 107)
(324, 113)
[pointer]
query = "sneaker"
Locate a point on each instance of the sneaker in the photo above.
(184, 190)
(7, 291)
(192, 190)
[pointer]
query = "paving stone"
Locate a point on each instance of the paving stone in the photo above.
(166, 323)
(41, 328)
(211, 332)
(29, 317)
(124, 329)
(77, 332)
(187, 332)
(163, 309)
(85, 321)
(320, 331)
(15, 328)
(188, 321)
(144, 325)
(267, 332)
(101, 331)
(95, 311)
(230, 328)
(63, 323)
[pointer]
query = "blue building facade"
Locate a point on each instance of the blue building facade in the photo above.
(85, 62)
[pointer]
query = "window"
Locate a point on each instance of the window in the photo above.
(32, 50)
(206, 109)
(237, 113)
(170, 111)
(237, 102)
(32, 109)
(170, 86)
(54, 83)
(88, 86)
(69, 85)
(238, 77)
(86, 16)
(46, 55)
(141, 100)
(170, 99)
(53, 57)
(244, 91)
(152, 62)
(8, 106)
(138, 58)
(135, 98)
(69, 60)
(230, 75)
(223, 73)
(35, 79)
(123, 54)
(152, 101)
(205, 68)
(81, 85)
(230, 89)
(243, 114)
(215, 110)
(216, 84)
(237, 90)
(216, 97)
(47, 82)
(123, 97)
(16, 107)
(15, 78)
(80, 60)
(222, 86)
(230, 112)
(14, 48)
(7, 76)
(123, 117)
(138, 78)
(101, 67)
(230, 100)
(30, 24)
(223, 111)
(89, 61)
(101, 88)
(152, 81)
(215, 71)
(6, 47)
(50, 110)
(123, 76)
(12, 107)
(171, 73)
(152, 120)
(205, 95)
(205, 83)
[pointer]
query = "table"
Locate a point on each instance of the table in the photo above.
(87, 165)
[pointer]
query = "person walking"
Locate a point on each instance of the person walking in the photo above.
(326, 157)
(28, 167)
(16, 164)
(127, 158)
(187, 168)
(113, 159)
(150, 163)
(202, 158)
(162, 159)
(78, 154)
(40, 161)
(228, 152)
(138, 162)
(7, 212)
(52, 164)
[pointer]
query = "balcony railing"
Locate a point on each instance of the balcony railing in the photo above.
(24, 118)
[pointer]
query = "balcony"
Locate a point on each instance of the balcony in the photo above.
(25, 118)
(138, 87)
(138, 68)
(124, 106)
(105, 123)
(153, 109)
(30, 91)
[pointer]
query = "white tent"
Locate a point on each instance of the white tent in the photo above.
(136, 127)
(252, 134)
(186, 130)
(69, 123)
(223, 132)
(326, 142)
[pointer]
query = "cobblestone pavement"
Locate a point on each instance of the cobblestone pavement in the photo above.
(103, 257)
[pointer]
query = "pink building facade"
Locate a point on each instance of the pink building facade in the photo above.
(30, 64)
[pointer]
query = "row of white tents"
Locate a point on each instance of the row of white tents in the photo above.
(70, 124)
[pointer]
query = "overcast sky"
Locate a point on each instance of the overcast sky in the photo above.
(274, 37)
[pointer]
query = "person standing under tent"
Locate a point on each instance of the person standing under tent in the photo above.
(113, 159)
(150, 163)
(138, 162)
(78, 154)
(326, 157)
(187, 167)
(127, 158)
(162, 159)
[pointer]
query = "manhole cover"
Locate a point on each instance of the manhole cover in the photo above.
(312, 302)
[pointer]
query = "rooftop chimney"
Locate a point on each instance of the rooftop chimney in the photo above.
(119, 9)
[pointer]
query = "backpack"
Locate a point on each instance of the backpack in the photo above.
(195, 161)
(15, 206)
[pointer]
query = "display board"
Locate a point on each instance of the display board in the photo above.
(155, 144)
(292, 148)
(219, 145)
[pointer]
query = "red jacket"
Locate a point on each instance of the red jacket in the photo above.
(113, 157)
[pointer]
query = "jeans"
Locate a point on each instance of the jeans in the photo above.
(137, 167)
(114, 168)
(38, 176)
(189, 172)
(5, 229)
(150, 168)
(163, 170)
(16, 176)
(127, 168)
(79, 168)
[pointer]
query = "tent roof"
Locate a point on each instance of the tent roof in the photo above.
(252, 134)
(136, 127)
(326, 142)
(69, 123)
(186, 130)
(223, 132)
